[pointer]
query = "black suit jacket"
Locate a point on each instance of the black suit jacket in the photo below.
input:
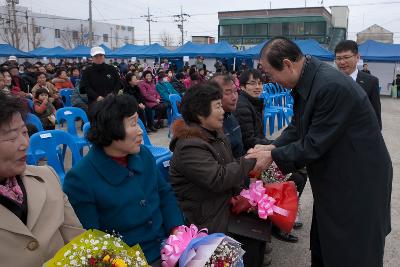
(370, 84)
(334, 132)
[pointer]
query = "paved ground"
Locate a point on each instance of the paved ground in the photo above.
(287, 254)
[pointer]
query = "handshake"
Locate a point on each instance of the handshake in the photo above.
(262, 155)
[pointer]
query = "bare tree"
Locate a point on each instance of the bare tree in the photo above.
(8, 33)
(35, 35)
(166, 39)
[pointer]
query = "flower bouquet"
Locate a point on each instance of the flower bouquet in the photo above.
(278, 201)
(95, 248)
(193, 248)
(274, 175)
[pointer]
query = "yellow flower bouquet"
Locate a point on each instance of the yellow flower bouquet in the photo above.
(95, 248)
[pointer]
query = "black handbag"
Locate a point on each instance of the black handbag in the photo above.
(251, 226)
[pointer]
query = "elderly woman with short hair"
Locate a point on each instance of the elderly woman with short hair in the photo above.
(36, 217)
(117, 185)
(203, 173)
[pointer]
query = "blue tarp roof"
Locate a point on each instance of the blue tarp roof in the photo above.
(106, 49)
(38, 50)
(129, 50)
(377, 51)
(308, 47)
(221, 49)
(7, 50)
(79, 51)
(54, 52)
(154, 50)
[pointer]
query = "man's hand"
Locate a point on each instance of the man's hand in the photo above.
(263, 148)
(263, 158)
(158, 101)
(99, 98)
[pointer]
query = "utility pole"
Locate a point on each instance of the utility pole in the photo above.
(180, 19)
(90, 24)
(149, 21)
(14, 36)
(27, 27)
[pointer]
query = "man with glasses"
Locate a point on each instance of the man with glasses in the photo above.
(100, 79)
(346, 58)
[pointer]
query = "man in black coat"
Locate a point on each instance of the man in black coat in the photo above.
(346, 58)
(335, 133)
(100, 79)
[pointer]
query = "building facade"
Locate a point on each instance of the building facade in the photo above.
(376, 33)
(250, 27)
(28, 30)
(203, 39)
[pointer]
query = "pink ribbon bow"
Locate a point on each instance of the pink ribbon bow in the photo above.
(257, 197)
(176, 244)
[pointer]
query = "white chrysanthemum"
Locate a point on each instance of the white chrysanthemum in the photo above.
(67, 253)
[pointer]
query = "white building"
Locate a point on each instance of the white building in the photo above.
(49, 31)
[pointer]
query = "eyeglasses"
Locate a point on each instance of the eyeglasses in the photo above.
(254, 83)
(344, 58)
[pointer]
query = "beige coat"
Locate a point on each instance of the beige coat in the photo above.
(51, 222)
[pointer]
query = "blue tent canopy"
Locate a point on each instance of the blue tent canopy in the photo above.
(54, 52)
(7, 50)
(381, 52)
(308, 47)
(128, 50)
(79, 51)
(106, 49)
(221, 49)
(37, 50)
(154, 50)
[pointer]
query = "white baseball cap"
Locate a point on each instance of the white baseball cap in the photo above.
(97, 50)
(12, 58)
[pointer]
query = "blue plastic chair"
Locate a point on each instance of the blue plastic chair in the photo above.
(85, 130)
(33, 158)
(49, 141)
(156, 151)
(163, 165)
(70, 115)
(35, 121)
(175, 99)
(66, 94)
(30, 104)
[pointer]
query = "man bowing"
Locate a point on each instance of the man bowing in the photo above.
(335, 134)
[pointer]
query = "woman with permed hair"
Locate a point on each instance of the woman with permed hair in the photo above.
(117, 186)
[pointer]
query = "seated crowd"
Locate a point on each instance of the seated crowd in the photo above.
(116, 186)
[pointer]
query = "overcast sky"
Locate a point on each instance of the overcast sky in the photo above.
(204, 19)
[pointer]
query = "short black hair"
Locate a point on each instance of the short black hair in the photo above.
(224, 78)
(161, 75)
(197, 101)
(347, 45)
(59, 71)
(40, 91)
(245, 76)
(107, 116)
(9, 105)
(280, 48)
(147, 72)
(179, 76)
